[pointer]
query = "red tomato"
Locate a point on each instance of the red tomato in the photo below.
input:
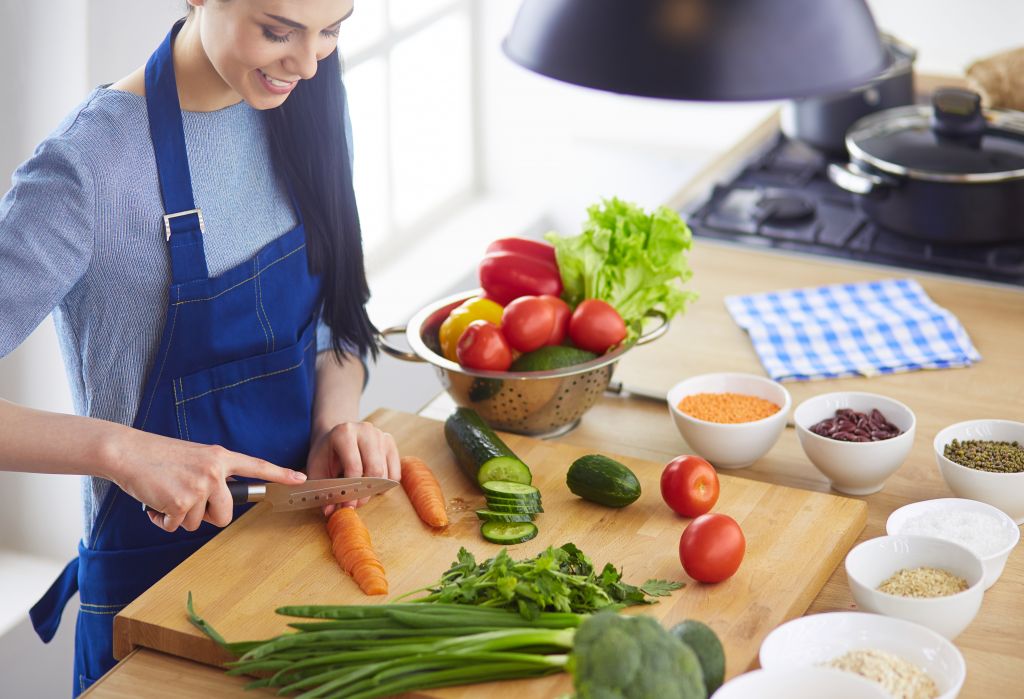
(482, 346)
(689, 485)
(561, 325)
(711, 548)
(595, 326)
(527, 322)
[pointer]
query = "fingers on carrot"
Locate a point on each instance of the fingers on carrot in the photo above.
(424, 491)
(350, 544)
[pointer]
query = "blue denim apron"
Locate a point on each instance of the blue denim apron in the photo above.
(235, 367)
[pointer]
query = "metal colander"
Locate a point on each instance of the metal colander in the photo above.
(538, 403)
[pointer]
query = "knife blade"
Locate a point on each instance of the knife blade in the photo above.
(315, 493)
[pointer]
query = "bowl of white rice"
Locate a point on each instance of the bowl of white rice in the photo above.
(986, 530)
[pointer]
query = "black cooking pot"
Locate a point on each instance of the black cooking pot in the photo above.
(949, 173)
(822, 121)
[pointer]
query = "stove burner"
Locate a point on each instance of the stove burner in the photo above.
(784, 200)
(783, 207)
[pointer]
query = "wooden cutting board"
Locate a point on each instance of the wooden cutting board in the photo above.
(795, 539)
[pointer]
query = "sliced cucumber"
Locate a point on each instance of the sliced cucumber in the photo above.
(514, 507)
(504, 469)
(523, 502)
(503, 488)
(492, 516)
(479, 452)
(508, 533)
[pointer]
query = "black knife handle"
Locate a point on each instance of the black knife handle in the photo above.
(239, 495)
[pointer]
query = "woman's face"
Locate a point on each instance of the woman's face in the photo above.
(262, 48)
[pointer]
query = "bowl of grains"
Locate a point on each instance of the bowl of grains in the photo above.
(987, 531)
(984, 460)
(910, 661)
(934, 582)
(857, 440)
(730, 419)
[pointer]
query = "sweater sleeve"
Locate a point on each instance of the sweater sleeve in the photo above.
(46, 237)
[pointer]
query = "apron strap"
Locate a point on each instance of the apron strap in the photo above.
(183, 222)
(46, 613)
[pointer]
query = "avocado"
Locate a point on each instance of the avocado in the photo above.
(551, 357)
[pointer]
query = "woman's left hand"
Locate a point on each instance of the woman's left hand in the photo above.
(350, 450)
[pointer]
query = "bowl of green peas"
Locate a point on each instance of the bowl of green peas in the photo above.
(984, 460)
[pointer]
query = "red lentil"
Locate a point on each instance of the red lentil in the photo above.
(727, 407)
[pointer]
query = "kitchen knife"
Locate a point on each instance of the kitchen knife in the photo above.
(315, 493)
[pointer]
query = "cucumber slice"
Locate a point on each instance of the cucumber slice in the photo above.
(492, 516)
(527, 502)
(514, 507)
(505, 488)
(508, 533)
(504, 468)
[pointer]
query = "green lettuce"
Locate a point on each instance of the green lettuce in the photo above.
(624, 256)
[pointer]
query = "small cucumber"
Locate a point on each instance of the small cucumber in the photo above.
(479, 452)
(602, 480)
(508, 533)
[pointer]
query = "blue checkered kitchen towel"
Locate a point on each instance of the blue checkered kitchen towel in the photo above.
(860, 329)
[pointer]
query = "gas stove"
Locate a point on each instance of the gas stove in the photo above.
(783, 199)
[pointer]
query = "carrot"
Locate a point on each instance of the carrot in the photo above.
(424, 491)
(350, 544)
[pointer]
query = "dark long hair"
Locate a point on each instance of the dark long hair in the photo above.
(307, 140)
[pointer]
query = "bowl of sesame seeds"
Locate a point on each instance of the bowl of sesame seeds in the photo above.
(984, 460)
(730, 419)
(934, 582)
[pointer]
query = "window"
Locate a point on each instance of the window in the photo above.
(410, 68)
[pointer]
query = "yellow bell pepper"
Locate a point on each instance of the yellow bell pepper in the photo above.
(476, 308)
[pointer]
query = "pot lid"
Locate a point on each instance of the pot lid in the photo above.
(952, 140)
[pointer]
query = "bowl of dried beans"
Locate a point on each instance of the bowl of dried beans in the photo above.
(857, 440)
(730, 419)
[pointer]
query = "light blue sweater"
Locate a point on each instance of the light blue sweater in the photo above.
(81, 236)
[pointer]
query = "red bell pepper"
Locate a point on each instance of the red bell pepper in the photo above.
(514, 267)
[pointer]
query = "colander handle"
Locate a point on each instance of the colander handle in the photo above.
(395, 352)
(658, 330)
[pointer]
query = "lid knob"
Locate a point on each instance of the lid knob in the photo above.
(956, 116)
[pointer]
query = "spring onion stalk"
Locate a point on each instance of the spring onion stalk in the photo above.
(368, 651)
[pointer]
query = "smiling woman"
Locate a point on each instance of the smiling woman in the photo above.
(213, 184)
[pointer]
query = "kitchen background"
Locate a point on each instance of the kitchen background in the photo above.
(429, 89)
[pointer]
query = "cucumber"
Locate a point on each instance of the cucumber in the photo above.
(551, 357)
(479, 452)
(514, 507)
(603, 480)
(508, 533)
(706, 644)
(509, 489)
(492, 516)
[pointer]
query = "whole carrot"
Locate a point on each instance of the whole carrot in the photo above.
(424, 491)
(350, 544)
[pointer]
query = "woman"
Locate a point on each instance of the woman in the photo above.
(188, 226)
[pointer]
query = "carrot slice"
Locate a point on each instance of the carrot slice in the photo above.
(424, 491)
(350, 544)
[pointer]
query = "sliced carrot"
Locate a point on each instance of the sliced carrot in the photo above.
(424, 491)
(350, 544)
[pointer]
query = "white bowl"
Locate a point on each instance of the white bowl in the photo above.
(855, 468)
(818, 638)
(1002, 490)
(800, 683)
(995, 561)
(870, 562)
(730, 445)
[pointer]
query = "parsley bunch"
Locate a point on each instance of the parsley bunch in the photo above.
(559, 579)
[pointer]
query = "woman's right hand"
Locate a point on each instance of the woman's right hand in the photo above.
(185, 482)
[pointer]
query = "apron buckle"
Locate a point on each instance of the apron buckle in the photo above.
(197, 211)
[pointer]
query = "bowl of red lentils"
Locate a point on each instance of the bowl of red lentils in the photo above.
(857, 440)
(984, 460)
(729, 419)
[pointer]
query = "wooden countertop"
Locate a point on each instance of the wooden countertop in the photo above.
(706, 339)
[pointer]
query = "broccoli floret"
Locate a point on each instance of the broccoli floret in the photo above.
(632, 657)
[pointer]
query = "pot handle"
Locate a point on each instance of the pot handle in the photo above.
(395, 352)
(853, 179)
(658, 330)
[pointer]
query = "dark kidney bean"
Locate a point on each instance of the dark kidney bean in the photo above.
(850, 426)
